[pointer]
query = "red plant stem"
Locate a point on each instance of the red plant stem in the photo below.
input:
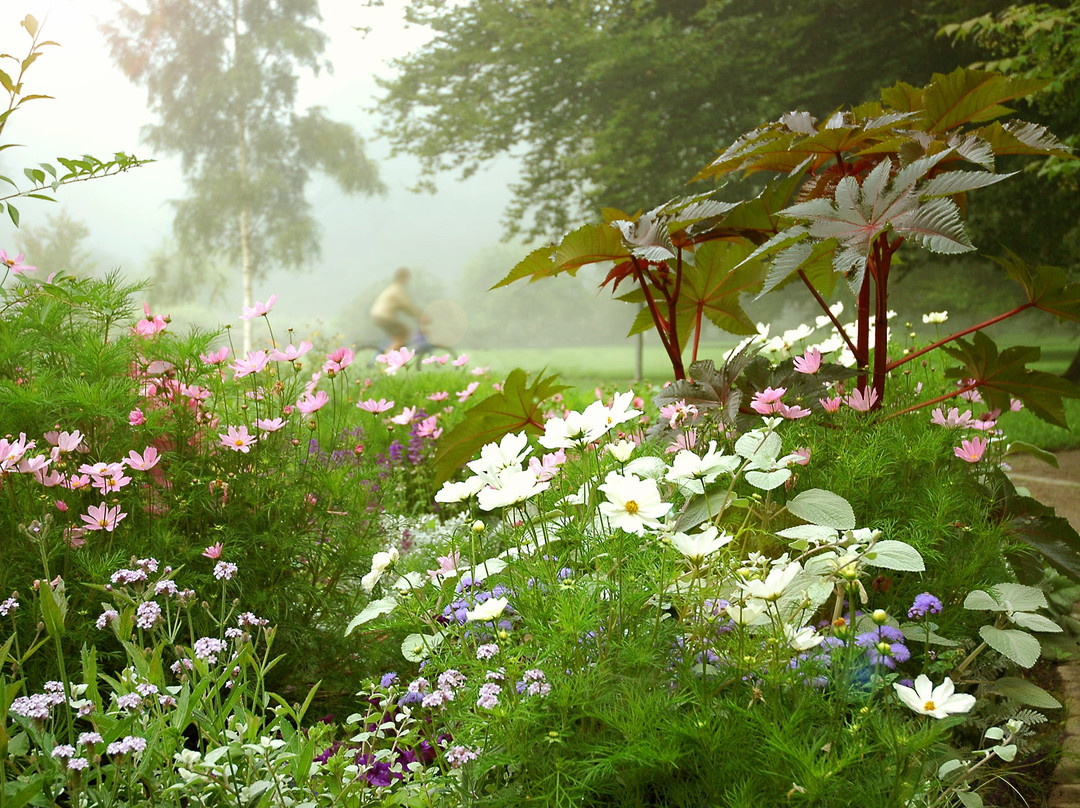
(697, 330)
(944, 340)
(673, 301)
(883, 262)
(862, 353)
(825, 306)
(674, 356)
(937, 400)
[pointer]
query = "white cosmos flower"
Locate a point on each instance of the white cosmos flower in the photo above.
(619, 411)
(622, 450)
(494, 457)
(576, 429)
(751, 614)
(774, 584)
(488, 610)
(935, 317)
(693, 472)
(939, 702)
(457, 492)
(802, 639)
(632, 504)
(509, 487)
(380, 563)
(700, 545)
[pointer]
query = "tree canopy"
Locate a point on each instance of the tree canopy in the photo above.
(221, 75)
(614, 103)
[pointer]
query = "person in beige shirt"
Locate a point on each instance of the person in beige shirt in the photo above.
(392, 302)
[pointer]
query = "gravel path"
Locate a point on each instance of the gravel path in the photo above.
(1060, 488)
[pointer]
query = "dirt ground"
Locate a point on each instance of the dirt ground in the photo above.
(1056, 487)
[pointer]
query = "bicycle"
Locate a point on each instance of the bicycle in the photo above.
(417, 342)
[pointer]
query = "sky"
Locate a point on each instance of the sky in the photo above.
(97, 110)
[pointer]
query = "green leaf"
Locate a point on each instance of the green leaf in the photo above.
(517, 407)
(13, 213)
(972, 96)
(699, 508)
(712, 288)
(820, 507)
(6, 83)
(590, 244)
(535, 265)
(376, 608)
(417, 647)
(1046, 287)
(1018, 597)
(1023, 691)
(1035, 622)
(969, 799)
(981, 602)
(1019, 646)
(1020, 447)
(1005, 375)
(17, 793)
(917, 632)
(895, 555)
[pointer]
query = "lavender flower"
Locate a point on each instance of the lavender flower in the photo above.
(924, 604)
(147, 615)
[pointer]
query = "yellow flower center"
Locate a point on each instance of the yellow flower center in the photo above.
(631, 506)
(238, 442)
(929, 706)
(103, 523)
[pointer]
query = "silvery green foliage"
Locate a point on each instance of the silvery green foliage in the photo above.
(1016, 604)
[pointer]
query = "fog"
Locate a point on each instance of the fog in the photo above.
(97, 110)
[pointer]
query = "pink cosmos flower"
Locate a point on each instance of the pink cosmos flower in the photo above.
(971, 450)
(480, 371)
(375, 407)
(427, 428)
(254, 362)
(973, 395)
(145, 461)
(406, 416)
(65, 441)
(792, 412)
(149, 325)
(442, 395)
(803, 456)
(101, 469)
(809, 362)
(215, 357)
(986, 421)
(1015, 404)
(270, 424)
(678, 412)
(767, 401)
(686, 440)
(77, 482)
(831, 404)
(110, 483)
(100, 517)
(441, 359)
(447, 566)
(136, 417)
(546, 466)
(50, 478)
(259, 309)
(34, 465)
(15, 265)
(461, 361)
(337, 360)
(213, 551)
(312, 403)
(395, 360)
(463, 395)
(291, 352)
(861, 400)
(61, 506)
(313, 383)
(237, 439)
(952, 419)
